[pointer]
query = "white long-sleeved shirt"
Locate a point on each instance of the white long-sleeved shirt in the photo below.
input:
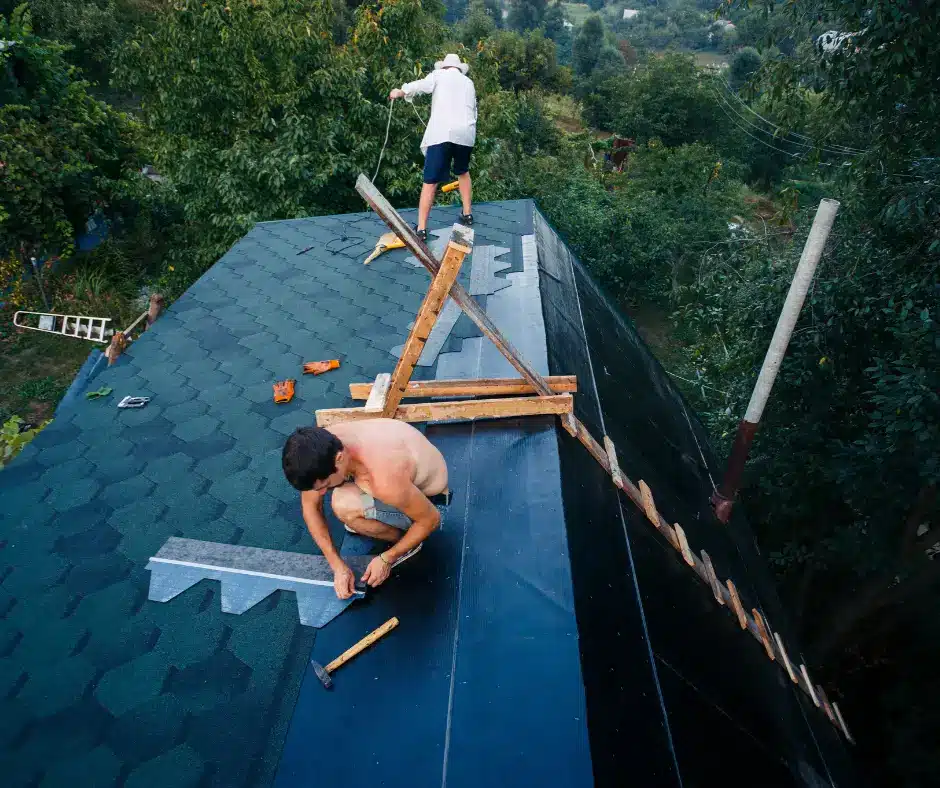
(453, 107)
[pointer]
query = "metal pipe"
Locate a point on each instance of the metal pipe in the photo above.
(723, 498)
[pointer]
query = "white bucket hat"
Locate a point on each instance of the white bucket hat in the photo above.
(452, 61)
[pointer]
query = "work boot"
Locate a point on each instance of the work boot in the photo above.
(466, 219)
(422, 234)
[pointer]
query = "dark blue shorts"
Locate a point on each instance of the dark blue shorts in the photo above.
(439, 158)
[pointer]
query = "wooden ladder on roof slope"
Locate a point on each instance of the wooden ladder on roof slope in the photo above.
(532, 394)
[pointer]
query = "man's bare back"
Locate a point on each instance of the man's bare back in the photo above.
(360, 462)
(387, 449)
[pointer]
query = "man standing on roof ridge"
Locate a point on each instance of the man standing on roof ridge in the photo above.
(386, 478)
(450, 134)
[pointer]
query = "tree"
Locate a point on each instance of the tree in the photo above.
(494, 8)
(595, 5)
(554, 25)
(93, 28)
(478, 26)
(63, 154)
(627, 52)
(272, 120)
(526, 14)
(669, 99)
(744, 64)
(853, 427)
(588, 45)
(525, 61)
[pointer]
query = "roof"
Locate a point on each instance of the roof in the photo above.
(546, 633)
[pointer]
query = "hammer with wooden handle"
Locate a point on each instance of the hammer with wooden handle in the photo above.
(323, 673)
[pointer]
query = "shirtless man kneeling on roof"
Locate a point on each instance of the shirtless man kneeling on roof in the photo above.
(383, 474)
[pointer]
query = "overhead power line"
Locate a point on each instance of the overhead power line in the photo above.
(780, 134)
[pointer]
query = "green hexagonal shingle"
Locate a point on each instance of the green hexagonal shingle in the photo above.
(98, 768)
(170, 469)
(181, 767)
(112, 644)
(135, 682)
(197, 641)
(185, 410)
(70, 494)
(51, 688)
(222, 465)
(121, 493)
(148, 730)
(197, 428)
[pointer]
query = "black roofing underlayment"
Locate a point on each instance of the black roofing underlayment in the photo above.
(548, 633)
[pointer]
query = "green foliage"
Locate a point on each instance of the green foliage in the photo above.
(553, 23)
(526, 61)
(744, 64)
(669, 99)
(13, 438)
(455, 10)
(526, 14)
(588, 45)
(90, 27)
(65, 155)
(272, 120)
(638, 232)
(478, 25)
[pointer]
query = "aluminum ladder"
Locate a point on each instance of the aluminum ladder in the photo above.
(94, 329)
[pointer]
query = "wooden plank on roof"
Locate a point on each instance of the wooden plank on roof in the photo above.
(463, 410)
(486, 387)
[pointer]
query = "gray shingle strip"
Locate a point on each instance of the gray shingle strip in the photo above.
(248, 575)
(483, 269)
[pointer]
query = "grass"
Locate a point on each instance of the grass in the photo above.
(36, 369)
(577, 13)
(565, 111)
(706, 59)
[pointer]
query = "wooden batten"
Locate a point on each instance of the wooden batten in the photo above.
(712, 578)
(763, 633)
(476, 387)
(464, 410)
(736, 605)
(684, 545)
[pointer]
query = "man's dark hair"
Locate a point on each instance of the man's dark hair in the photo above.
(309, 456)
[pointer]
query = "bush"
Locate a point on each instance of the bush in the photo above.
(746, 62)
(13, 438)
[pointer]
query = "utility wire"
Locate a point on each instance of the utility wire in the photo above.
(758, 139)
(725, 105)
(839, 150)
(832, 146)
